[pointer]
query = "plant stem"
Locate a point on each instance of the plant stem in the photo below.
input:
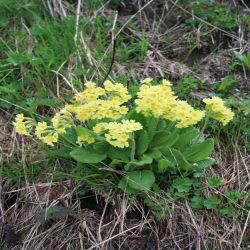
(205, 125)
(133, 149)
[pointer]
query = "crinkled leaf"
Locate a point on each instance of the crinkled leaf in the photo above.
(212, 202)
(215, 182)
(183, 185)
(197, 202)
(227, 211)
(200, 166)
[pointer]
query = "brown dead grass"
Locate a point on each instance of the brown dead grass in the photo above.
(118, 227)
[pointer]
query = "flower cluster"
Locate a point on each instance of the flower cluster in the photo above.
(62, 120)
(89, 106)
(106, 107)
(217, 110)
(23, 125)
(93, 103)
(46, 134)
(85, 139)
(117, 133)
(159, 101)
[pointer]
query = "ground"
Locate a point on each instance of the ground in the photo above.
(47, 47)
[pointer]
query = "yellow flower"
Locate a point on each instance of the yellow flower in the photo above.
(166, 82)
(91, 93)
(108, 85)
(23, 125)
(40, 128)
(90, 85)
(99, 128)
(118, 134)
(154, 100)
(46, 133)
(62, 120)
(147, 80)
(85, 139)
(159, 101)
(123, 110)
(216, 109)
(50, 139)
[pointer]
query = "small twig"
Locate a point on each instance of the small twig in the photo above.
(77, 19)
(1, 202)
(57, 80)
(103, 213)
(132, 17)
(116, 235)
(209, 24)
(113, 42)
(76, 31)
(66, 80)
(244, 230)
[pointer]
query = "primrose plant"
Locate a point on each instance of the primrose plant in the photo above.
(143, 141)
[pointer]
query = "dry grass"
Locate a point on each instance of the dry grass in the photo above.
(116, 226)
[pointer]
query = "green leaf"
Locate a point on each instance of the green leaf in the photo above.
(123, 185)
(164, 138)
(228, 83)
(233, 196)
(63, 152)
(17, 59)
(183, 185)
(186, 138)
(137, 181)
(34, 103)
(152, 124)
(197, 202)
(142, 143)
(227, 211)
(120, 154)
(176, 157)
(116, 162)
(215, 182)
(53, 213)
(145, 160)
(133, 115)
(200, 166)
(87, 156)
(164, 165)
(155, 154)
(101, 146)
(207, 162)
(80, 131)
(160, 138)
(162, 124)
(68, 139)
(212, 202)
(199, 151)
